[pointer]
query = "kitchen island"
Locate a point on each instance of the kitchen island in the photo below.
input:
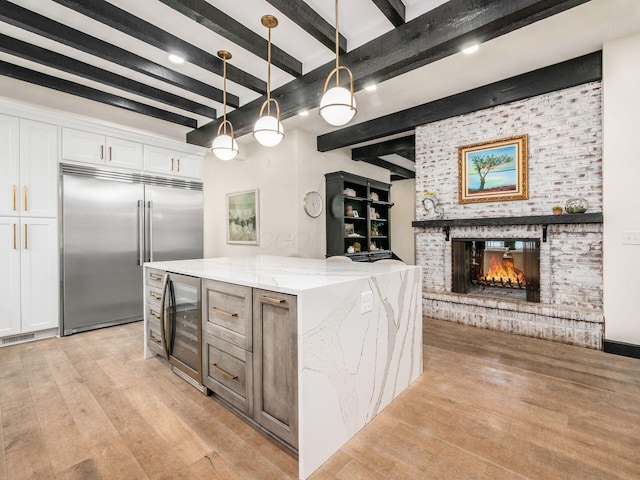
(356, 341)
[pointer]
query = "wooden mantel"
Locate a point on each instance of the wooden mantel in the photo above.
(543, 220)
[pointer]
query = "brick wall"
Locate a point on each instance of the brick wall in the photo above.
(565, 161)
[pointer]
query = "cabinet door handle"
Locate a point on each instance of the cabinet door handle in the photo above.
(101, 152)
(178, 164)
(223, 312)
(172, 164)
(110, 156)
(155, 340)
(24, 197)
(155, 277)
(155, 296)
(15, 200)
(154, 314)
(26, 237)
(15, 242)
(224, 373)
(276, 301)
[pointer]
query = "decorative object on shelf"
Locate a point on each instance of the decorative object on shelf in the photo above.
(351, 249)
(356, 214)
(349, 230)
(373, 247)
(556, 209)
(243, 218)
(312, 203)
(576, 205)
(349, 211)
(338, 105)
(356, 247)
(268, 130)
(374, 229)
(493, 171)
(224, 146)
(349, 192)
(430, 203)
(372, 212)
(374, 196)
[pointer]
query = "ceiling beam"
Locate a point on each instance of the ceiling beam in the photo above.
(394, 10)
(309, 20)
(55, 60)
(404, 146)
(41, 25)
(219, 22)
(48, 81)
(425, 39)
(144, 31)
(577, 71)
(392, 167)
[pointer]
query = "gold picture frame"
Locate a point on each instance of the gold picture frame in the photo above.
(493, 171)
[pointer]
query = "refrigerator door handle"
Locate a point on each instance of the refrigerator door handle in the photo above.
(150, 230)
(140, 232)
(163, 310)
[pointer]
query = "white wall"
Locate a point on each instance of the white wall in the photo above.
(621, 171)
(403, 239)
(282, 174)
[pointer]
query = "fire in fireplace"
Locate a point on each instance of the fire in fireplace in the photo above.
(497, 268)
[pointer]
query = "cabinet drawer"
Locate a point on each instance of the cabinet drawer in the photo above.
(228, 372)
(154, 295)
(154, 277)
(227, 312)
(155, 336)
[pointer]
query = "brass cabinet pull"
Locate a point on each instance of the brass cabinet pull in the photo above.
(154, 315)
(101, 152)
(155, 296)
(15, 243)
(178, 164)
(15, 206)
(155, 277)
(277, 301)
(172, 164)
(155, 340)
(24, 196)
(110, 156)
(228, 314)
(26, 238)
(224, 372)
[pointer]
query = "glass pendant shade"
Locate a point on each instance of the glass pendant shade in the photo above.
(268, 131)
(337, 106)
(224, 147)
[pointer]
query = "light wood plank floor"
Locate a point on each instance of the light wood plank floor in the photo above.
(489, 405)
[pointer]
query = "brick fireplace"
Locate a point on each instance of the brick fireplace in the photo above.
(565, 161)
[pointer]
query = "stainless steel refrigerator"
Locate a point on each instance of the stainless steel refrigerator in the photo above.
(111, 224)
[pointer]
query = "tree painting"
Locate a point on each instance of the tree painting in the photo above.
(483, 165)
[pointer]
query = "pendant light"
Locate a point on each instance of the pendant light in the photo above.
(338, 105)
(224, 146)
(268, 130)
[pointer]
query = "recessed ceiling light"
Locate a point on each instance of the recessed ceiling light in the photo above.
(176, 59)
(471, 49)
(304, 113)
(371, 88)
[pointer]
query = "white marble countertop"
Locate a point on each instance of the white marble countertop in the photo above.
(280, 274)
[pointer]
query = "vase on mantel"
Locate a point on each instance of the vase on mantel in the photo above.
(576, 205)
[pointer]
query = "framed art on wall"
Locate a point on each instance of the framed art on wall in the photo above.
(243, 221)
(493, 171)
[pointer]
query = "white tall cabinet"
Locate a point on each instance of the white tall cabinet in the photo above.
(28, 226)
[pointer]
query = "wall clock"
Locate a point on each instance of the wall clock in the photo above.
(313, 204)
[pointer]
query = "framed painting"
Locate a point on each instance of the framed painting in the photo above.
(493, 171)
(243, 221)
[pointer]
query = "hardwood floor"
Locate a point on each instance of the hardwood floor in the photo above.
(489, 405)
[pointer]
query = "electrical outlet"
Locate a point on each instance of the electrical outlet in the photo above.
(366, 301)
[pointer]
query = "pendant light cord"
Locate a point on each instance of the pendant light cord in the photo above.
(337, 50)
(269, 75)
(224, 94)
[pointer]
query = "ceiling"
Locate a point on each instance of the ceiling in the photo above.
(116, 51)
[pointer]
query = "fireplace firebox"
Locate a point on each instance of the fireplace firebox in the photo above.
(501, 268)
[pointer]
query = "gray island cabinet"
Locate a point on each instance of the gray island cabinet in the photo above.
(309, 350)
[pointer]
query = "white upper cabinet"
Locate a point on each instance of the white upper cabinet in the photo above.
(9, 165)
(171, 162)
(87, 147)
(38, 196)
(28, 162)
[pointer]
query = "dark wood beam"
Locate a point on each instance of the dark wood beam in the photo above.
(309, 20)
(394, 10)
(425, 39)
(587, 68)
(404, 146)
(219, 22)
(48, 81)
(55, 60)
(119, 19)
(41, 25)
(392, 167)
